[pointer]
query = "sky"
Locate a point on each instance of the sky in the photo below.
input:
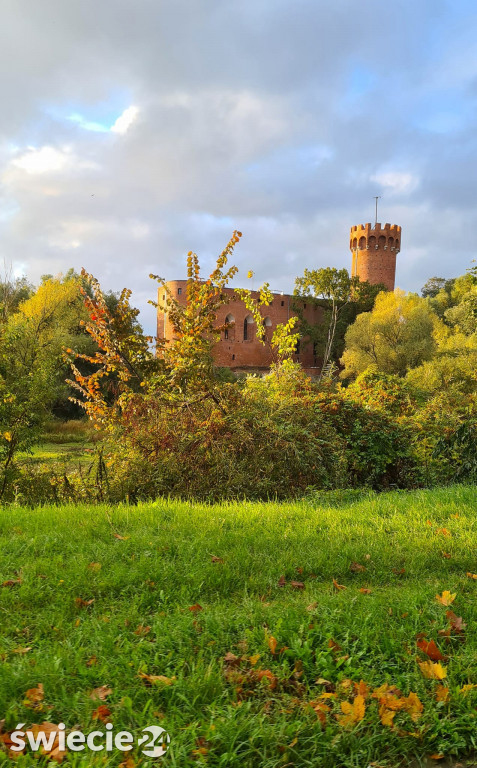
(133, 131)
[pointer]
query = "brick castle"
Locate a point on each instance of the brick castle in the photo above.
(374, 251)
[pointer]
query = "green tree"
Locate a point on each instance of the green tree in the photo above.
(398, 334)
(341, 298)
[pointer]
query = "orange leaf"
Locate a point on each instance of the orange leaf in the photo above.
(121, 538)
(142, 630)
(216, 559)
(431, 650)
(34, 697)
(352, 713)
(12, 583)
(365, 591)
(196, 608)
(272, 644)
(338, 586)
(471, 575)
(442, 693)
(102, 713)
(83, 603)
(446, 598)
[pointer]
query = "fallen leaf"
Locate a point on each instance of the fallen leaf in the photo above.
(321, 710)
(253, 659)
(312, 606)
(55, 753)
(353, 713)
(471, 575)
(338, 586)
(272, 644)
(195, 608)
(121, 538)
(94, 567)
(216, 559)
(21, 651)
(282, 581)
(446, 598)
(297, 585)
(83, 603)
(103, 713)
(101, 693)
(437, 756)
(92, 661)
(231, 659)
(457, 623)
(154, 679)
(466, 688)
(365, 591)
(12, 583)
(399, 571)
(446, 555)
(128, 763)
(335, 647)
(442, 693)
(357, 567)
(432, 671)
(34, 697)
(430, 649)
(142, 630)
(443, 532)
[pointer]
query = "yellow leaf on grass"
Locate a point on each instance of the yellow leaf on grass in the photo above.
(353, 712)
(466, 688)
(433, 671)
(471, 575)
(446, 598)
(272, 643)
(442, 693)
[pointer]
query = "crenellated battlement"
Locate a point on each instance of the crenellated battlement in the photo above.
(374, 249)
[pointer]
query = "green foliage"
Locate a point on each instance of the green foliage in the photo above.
(398, 334)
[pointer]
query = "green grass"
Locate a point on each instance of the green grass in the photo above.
(164, 566)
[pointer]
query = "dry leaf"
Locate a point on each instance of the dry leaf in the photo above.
(92, 661)
(297, 585)
(83, 603)
(457, 623)
(94, 567)
(142, 630)
(312, 606)
(282, 581)
(154, 679)
(352, 713)
(195, 608)
(21, 651)
(103, 713)
(365, 591)
(431, 650)
(216, 559)
(432, 671)
(101, 693)
(272, 644)
(446, 598)
(357, 568)
(442, 693)
(121, 538)
(12, 583)
(34, 697)
(338, 586)
(471, 575)
(446, 555)
(253, 659)
(231, 659)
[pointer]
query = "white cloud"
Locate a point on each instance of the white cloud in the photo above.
(49, 160)
(124, 121)
(396, 181)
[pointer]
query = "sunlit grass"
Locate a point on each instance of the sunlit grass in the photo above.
(155, 561)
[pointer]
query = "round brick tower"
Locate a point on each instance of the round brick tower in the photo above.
(374, 251)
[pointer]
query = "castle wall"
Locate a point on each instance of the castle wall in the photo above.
(239, 348)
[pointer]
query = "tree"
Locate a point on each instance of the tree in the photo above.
(397, 335)
(342, 297)
(435, 285)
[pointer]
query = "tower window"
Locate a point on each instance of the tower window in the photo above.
(179, 291)
(283, 303)
(226, 334)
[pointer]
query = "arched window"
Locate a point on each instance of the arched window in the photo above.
(362, 243)
(382, 241)
(391, 242)
(247, 332)
(372, 241)
(396, 244)
(355, 242)
(229, 331)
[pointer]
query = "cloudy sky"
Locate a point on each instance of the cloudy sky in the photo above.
(132, 131)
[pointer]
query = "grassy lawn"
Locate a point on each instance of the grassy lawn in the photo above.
(190, 629)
